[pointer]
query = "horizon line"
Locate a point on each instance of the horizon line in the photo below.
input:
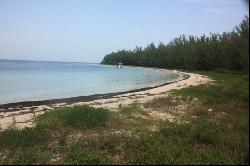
(49, 61)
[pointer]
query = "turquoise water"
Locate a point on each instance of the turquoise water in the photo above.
(35, 80)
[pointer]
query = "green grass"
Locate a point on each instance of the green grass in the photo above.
(228, 87)
(130, 109)
(32, 145)
(79, 117)
(161, 102)
(27, 137)
(217, 137)
(199, 142)
(26, 146)
(220, 136)
(26, 156)
(78, 153)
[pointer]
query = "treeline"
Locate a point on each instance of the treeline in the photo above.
(229, 50)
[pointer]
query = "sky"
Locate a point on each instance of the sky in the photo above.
(87, 30)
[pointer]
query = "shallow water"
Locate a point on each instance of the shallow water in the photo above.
(35, 80)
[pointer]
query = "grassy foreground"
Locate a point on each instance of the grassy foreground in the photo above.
(213, 130)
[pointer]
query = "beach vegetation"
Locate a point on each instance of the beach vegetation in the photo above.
(82, 117)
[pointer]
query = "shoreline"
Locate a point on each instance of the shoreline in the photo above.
(23, 113)
(16, 106)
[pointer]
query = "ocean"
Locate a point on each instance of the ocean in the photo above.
(39, 80)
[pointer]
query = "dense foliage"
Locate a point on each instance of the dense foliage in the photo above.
(229, 50)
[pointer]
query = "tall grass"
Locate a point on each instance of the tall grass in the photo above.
(199, 142)
(217, 137)
(32, 145)
(228, 87)
(78, 153)
(26, 137)
(26, 146)
(130, 109)
(77, 117)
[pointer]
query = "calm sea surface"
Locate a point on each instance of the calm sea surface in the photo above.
(34, 80)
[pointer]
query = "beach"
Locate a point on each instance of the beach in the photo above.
(22, 114)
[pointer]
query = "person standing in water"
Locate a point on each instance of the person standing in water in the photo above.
(119, 65)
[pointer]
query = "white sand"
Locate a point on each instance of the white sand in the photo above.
(24, 118)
